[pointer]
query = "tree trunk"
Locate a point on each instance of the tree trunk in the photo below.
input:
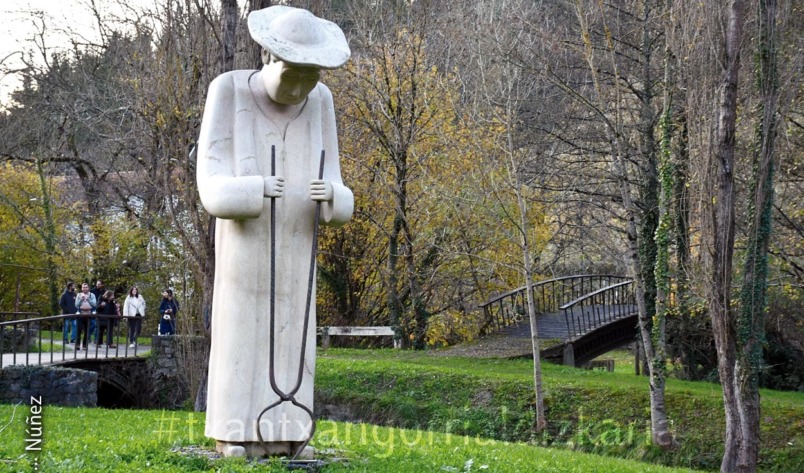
(416, 303)
(208, 282)
(681, 213)
(720, 234)
(753, 294)
(541, 421)
(228, 34)
(256, 49)
(394, 304)
(640, 225)
(395, 309)
(49, 234)
(662, 238)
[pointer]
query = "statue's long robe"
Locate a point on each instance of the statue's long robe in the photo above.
(234, 155)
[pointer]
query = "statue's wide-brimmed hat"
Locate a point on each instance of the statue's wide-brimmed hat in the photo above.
(299, 37)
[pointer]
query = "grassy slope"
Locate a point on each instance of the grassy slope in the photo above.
(592, 411)
(487, 399)
(80, 439)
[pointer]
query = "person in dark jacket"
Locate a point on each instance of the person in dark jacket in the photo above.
(107, 306)
(168, 309)
(67, 305)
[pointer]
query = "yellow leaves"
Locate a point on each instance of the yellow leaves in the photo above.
(24, 233)
(410, 152)
(451, 327)
(159, 119)
(18, 187)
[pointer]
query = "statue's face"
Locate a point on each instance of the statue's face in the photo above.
(289, 84)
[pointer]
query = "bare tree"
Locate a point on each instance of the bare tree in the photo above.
(389, 78)
(753, 293)
(256, 50)
(617, 92)
(720, 230)
(505, 92)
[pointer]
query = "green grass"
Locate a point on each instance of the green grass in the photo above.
(56, 345)
(443, 399)
(623, 361)
(587, 410)
(80, 439)
(123, 340)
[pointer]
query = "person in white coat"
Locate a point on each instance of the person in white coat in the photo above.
(134, 308)
(248, 114)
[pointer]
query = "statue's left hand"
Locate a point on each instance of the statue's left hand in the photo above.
(320, 190)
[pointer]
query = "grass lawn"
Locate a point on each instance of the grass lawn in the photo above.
(119, 339)
(437, 413)
(587, 410)
(51, 341)
(81, 439)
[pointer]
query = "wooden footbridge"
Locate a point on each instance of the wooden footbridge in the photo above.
(582, 316)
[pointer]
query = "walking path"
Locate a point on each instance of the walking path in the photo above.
(512, 342)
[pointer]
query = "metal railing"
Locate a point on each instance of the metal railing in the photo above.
(41, 340)
(6, 316)
(549, 295)
(600, 307)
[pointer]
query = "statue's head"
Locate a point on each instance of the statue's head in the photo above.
(296, 46)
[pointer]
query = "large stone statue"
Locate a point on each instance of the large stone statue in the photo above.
(259, 155)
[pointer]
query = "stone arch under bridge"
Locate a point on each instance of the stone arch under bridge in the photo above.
(121, 382)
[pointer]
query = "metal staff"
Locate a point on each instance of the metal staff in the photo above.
(290, 396)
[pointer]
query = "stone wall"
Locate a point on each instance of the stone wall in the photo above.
(13, 339)
(56, 386)
(162, 380)
(163, 361)
(176, 366)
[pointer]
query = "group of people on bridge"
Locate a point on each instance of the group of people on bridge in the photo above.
(99, 315)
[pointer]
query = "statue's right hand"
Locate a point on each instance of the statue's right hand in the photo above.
(274, 186)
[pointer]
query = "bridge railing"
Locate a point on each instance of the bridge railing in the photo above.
(599, 307)
(40, 340)
(549, 296)
(6, 316)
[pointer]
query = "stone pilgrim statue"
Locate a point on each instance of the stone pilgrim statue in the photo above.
(267, 166)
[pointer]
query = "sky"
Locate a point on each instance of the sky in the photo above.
(21, 22)
(19, 25)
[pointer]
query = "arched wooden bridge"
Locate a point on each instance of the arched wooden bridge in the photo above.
(583, 316)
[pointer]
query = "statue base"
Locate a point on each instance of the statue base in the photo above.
(259, 450)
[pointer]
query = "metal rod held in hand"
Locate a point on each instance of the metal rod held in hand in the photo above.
(290, 396)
